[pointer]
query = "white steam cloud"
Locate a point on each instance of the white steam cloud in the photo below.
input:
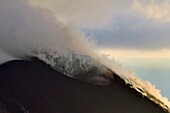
(88, 13)
(24, 27)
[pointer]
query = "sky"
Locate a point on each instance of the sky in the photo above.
(135, 25)
(134, 32)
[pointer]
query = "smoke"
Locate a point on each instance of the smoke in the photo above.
(28, 30)
(24, 27)
(4, 57)
(85, 13)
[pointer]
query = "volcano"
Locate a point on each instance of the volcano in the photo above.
(32, 86)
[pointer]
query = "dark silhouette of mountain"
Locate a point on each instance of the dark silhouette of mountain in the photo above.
(34, 87)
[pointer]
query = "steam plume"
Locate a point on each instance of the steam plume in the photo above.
(24, 27)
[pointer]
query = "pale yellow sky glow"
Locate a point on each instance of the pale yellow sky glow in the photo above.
(136, 54)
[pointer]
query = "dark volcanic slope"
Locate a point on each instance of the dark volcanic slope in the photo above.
(40, 89)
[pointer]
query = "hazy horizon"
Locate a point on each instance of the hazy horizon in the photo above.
(154, 70)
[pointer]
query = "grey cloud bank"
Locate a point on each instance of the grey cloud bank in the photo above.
(133, 31)
(143, 25)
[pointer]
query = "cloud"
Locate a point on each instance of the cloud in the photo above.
(86, 13)
(134, 30)
(4, 57)
(127, 24)
(25, 28)
(153, 9)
